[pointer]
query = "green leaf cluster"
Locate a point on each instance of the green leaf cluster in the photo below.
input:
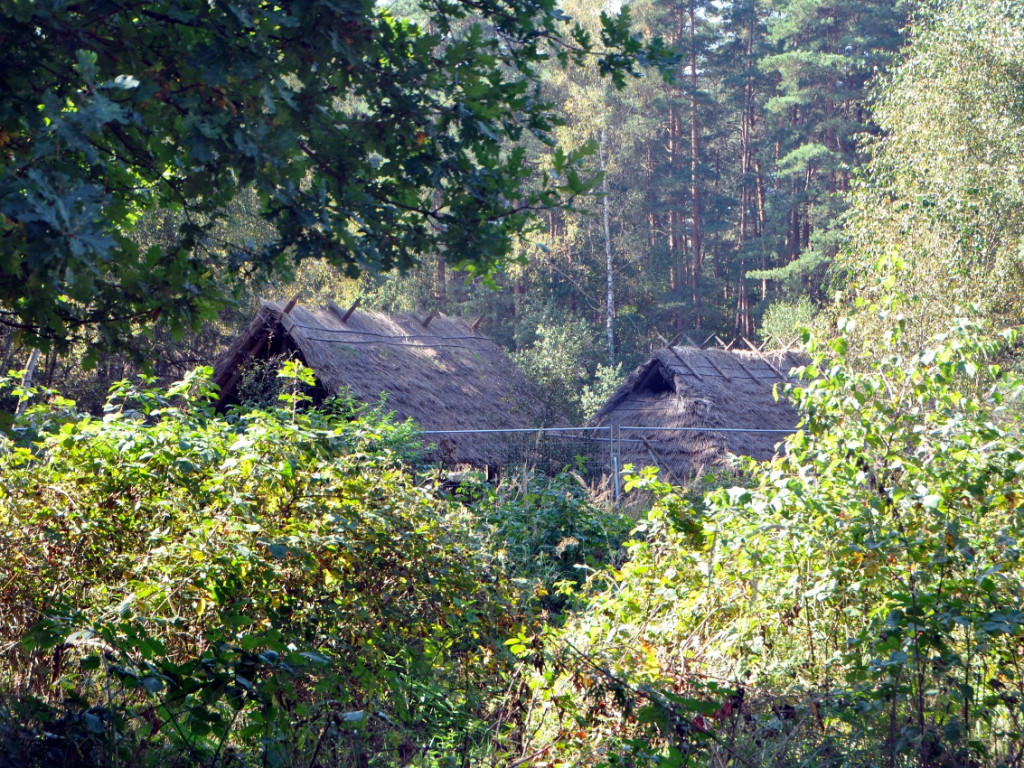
(935, 225)
(366, 137)
(858, 603)
(206, 589)
(546, 533)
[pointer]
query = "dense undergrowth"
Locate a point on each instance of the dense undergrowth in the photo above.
(272, 587)
(859, 604)
(290, 587)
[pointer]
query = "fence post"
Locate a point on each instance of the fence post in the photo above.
(611, 450)
(614, 439)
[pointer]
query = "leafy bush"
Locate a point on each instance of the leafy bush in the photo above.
(267, 587)
(784, 319)
(557, 361)
(607, 379)
(859, 604)
(546, 533)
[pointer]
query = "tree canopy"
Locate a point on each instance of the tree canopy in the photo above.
(366, 138)
(936, 226)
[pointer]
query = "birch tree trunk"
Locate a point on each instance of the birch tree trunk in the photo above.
(609, 261)
(26, 380)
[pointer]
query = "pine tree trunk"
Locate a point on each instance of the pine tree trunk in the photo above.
(759, 182)
(518, 291)
(743, 319)
(675, 278)
(697, 249)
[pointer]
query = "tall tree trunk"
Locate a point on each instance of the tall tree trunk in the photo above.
(442, 283)
(794, 231)
(609, 263)
(743, 319)
(805, 231)
(26, 380)
(759, 183)
(697, 249)
(759, 190)
(677, 245)
(674, 219)
(745, 155)
(744, 322)
(652, 218)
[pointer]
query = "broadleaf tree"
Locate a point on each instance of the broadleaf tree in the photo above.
(939, 213)
(367, 138)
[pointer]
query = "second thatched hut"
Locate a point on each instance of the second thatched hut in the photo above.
(686, 409)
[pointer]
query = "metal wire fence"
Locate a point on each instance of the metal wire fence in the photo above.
(594, 452)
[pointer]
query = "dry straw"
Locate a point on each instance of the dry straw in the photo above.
(435, 369)
(701, 390)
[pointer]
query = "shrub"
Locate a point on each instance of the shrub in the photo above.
(546, 533)
(858, 604)
(784, 319)
(607, 379)
(266, 587)
(557, 362)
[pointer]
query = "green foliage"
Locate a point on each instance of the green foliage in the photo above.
(258, 382)
(937, 222)
(607, 379)
(858, 604)
(546, 533)
(783, 320)
(760, 136)
(271, 587)
(363, 136)
(557, 361)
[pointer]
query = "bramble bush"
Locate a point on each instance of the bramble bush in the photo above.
(860, 603)
(546, 533)
(270, 587)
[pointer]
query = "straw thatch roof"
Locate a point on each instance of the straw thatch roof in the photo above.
(707, 390)
(436, 370)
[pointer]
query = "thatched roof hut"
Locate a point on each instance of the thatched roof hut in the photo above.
(436, 370)
(708, 393)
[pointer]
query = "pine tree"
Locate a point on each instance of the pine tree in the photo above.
(827, 51)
